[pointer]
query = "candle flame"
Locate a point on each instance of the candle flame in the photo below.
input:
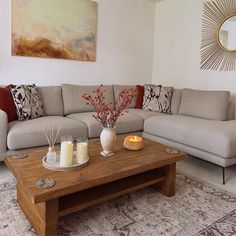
(135, 139)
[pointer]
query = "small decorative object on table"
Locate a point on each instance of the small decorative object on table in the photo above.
(45, 183)
(108, 113)
(172, 151)
(51, 138)
(19, 156)
(134, 143)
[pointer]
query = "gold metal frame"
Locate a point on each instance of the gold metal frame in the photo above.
(213, 55)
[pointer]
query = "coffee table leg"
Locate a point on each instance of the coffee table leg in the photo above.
(43, 216)
(51, 218)
(168, 186)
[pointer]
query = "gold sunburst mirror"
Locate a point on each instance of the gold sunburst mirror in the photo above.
(218, 49)
(227, 34)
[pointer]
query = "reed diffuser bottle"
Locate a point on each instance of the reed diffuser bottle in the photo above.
(51, 155)
(51, 138)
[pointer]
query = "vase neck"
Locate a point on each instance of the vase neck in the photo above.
(107, 128)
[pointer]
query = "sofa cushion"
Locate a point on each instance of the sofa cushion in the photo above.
(73, 101)
(144, 114)
(211, 105)
(217, 137)
(175, 102)
(27, 134)
(51, 97)
(117, 90)
(231, 111)
(125, 124)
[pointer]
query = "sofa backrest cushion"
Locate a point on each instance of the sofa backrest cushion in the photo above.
(211, 105)
(175, 102)
(117, 90)
(51, 97)
(73, 101)
(231, 111)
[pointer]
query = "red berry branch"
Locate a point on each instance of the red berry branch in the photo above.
(108, 113)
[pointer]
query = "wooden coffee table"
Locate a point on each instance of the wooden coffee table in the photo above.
(101, 180)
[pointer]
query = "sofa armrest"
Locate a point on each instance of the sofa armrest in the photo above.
(3, 134)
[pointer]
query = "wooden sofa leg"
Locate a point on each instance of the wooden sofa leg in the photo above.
(223, 172)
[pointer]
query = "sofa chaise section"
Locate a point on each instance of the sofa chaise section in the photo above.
(201, 127)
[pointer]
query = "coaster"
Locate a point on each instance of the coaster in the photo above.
(19, 156)
(172, 151)
(45, 183)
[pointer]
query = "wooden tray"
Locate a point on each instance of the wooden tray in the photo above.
(56, 166)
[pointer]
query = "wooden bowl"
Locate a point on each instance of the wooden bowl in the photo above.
(133, 143)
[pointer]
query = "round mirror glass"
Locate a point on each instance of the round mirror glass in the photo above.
(227, 34)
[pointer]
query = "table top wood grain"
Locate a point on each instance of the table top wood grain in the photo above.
(100, 170)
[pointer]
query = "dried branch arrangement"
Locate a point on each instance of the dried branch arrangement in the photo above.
(108, 113)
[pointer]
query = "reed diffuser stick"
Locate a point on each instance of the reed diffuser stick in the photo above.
(55, 139)
(46, 135)
(50, 134)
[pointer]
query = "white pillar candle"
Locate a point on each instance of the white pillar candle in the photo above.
(66, 156)
(82, 152)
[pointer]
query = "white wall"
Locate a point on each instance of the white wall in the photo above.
(177, 49)
(124, 49)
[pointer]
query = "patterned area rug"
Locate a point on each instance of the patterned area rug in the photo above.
(196, 209)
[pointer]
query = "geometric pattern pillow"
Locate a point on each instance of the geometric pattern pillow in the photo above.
(27, 101)
(157, 98)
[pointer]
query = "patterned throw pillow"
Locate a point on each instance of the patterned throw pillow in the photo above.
(36, 104)
(157, 98)
(27, 101)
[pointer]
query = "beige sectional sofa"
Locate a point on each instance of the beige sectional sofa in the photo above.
(212, 139)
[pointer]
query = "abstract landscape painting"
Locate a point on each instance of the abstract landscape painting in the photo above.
(63, 29)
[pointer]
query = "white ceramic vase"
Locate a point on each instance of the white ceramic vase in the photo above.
(107, 139)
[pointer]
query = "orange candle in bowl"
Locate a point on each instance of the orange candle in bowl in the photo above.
(134, 143)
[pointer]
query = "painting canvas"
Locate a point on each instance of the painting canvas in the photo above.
(63, 29)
